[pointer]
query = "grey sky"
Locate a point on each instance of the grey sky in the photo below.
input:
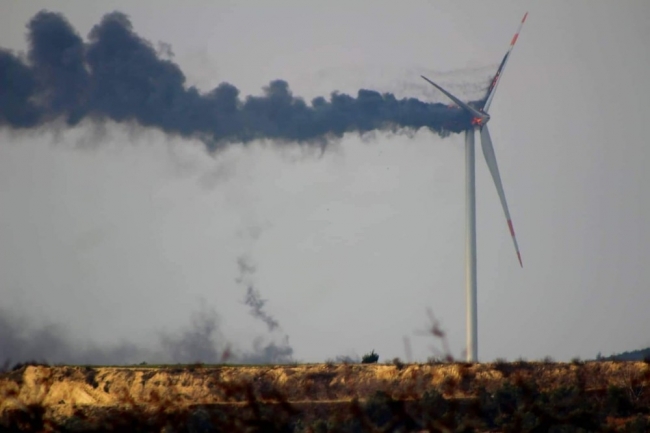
(119, 233)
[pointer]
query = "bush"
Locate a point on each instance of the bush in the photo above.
(619, 402)
(378, 408)
(91, 376)
(639, 424)
(20, 365)
(370, 358)
(434, 406)
(577, 361)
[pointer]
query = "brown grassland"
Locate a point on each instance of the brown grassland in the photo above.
(437, 396)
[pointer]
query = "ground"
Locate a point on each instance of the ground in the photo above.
(299, 395)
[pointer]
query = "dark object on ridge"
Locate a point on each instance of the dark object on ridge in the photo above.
(370, 358)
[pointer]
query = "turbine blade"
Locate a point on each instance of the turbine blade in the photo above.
(495, 81)
(460, 103)
(491, 159)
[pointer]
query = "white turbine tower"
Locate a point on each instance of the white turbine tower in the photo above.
(479, 118)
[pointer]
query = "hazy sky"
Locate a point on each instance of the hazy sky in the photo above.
(119, 233)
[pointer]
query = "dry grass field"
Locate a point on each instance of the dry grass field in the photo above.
(504, 396)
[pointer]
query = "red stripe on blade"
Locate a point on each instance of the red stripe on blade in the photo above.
(512, 229)
(524, 20)
(514, 39)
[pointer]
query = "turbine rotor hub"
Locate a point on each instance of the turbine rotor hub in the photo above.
(479, 121)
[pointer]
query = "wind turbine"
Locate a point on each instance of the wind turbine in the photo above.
(478, 113)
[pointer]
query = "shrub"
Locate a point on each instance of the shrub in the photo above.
(91, 374)
(619, 402)
(370, 358)
(378, 408)
(577, 361)
(20, 365)
(434, 406)
(639, 424)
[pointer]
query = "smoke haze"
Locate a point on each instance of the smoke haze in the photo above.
(201, 341)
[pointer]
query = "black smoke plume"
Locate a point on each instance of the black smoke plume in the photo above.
(118, 75)
(253, 299)
(279, 353)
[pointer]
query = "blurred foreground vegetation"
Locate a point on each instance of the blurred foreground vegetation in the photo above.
(395, 397)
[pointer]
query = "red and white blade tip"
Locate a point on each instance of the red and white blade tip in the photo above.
(514, 38)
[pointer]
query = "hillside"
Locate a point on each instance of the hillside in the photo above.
(632, 355)
(292, 397)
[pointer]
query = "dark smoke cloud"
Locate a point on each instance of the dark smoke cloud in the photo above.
(120, 76)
